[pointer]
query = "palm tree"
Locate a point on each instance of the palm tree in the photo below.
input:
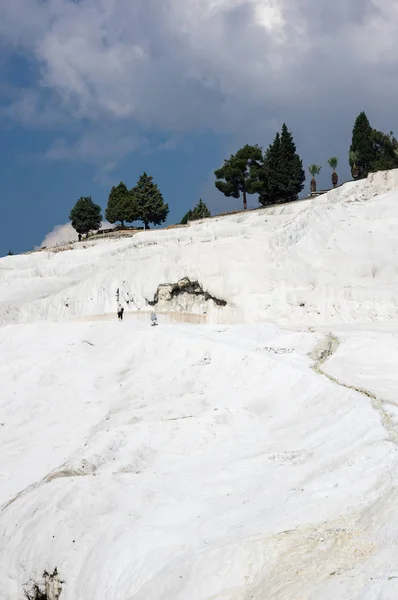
(353, 162)
(333, 162)
(314, 170)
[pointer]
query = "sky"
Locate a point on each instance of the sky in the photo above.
(94, 92)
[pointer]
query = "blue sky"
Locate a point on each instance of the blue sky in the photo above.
(97, 91)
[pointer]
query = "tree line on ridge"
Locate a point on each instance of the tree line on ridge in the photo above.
(275, 175)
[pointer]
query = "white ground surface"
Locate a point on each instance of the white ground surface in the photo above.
(254, 457)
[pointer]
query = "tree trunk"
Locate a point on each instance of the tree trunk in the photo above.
(244, 200)
(146, 225)
(313, 185)
(335, 179)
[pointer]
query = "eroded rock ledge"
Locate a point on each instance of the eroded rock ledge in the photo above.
(166, 292)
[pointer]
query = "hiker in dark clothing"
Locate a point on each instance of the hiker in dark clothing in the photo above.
(120, 312)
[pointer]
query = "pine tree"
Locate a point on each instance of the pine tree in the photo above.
(85, 216)
(362, 146)
(122, 205)
(281, 176)
(150, 204)
(200, 211)
(386, 151)
(292, 172)
(236, 176)
(187, 217)
(269, 176)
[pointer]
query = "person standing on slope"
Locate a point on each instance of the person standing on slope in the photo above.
(120, 311)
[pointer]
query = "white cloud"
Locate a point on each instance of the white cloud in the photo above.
(94, 145)
(63, 234)
(60, 235)
(186, 65)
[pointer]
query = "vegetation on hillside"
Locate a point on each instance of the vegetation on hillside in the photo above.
(151, 207)
(314, 171)
(121, 206)
(371, 150)
(238, 174)
(333, 162)
(85, 216)
(274, 176)
(200, 211)
(280, 177)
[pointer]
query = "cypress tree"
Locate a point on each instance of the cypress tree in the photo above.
(281, 176)
(121, 205)
(292, 174)
(271, 174)
(85, 215)
(237, 176)
(150, 204)
(362, 146)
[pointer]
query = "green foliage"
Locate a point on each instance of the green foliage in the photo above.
(314, 170)
(269, 176)
(386, 151)
(236, 176)
(187, 217)
(122, 205)
(151, 207)
(281, 176)
(85, 215)
(362, 146)
(333, 162)
(293, 175)
(371, 150)
(353, 158)
(199, 212)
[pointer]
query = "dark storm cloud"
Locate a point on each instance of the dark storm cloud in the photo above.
(236, 66)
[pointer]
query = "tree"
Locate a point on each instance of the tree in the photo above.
(235, 177)
(362, 146)
(333, 162)
(269, 176)
(314, 170)
(292, 172)
(122, 205)
(199, 212)
(353, 157)
(10, 253)
(150, 204)
(281, 176)
(371, 150)
(386, 151)
(187, 217)
(85, 215)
